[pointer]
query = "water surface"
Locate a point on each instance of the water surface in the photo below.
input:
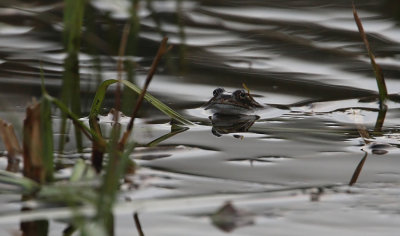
(304, 60)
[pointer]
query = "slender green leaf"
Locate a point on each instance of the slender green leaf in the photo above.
(27, 186)
(82, 171)
(69, 193)
(116, 169)
(74, 118)
(93, 229)
(47, 138)
(70, 91)
(159, 105)
(110, 181)
(166, 136)
(46, 130)
(99, 97)
(97, 102)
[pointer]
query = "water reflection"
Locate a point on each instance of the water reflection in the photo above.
(225, 124)
(375, 147)
(228, 218)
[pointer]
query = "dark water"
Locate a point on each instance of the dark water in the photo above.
(304, 60)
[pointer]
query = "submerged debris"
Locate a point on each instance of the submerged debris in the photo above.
(316, 194)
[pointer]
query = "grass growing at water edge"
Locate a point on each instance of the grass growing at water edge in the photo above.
(116, 149)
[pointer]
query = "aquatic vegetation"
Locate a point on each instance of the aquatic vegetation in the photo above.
(70, 91)
(264, 171)
(38, 153)
(380, 80)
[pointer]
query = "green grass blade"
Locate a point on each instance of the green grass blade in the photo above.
(70, 90)
(93, 229)
(26, 185)
(82, 171)
(99, 97)
(74, 118)
(159, 105)
(110, 181)
(47, 138)
(166, 136)
(46, 131)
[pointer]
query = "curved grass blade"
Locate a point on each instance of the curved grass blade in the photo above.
(99, 97)
(159, 105)
(90, 133)
(166, 136)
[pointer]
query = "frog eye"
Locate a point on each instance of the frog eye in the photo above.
(218, 91)
(240, 94)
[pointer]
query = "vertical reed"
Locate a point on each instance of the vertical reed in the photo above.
(380, 80)
(70, 91)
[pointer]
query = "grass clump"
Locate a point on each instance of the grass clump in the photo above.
(38, 156)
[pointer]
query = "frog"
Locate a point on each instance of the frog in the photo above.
(238, 102)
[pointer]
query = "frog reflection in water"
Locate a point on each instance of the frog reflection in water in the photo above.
(230, 111)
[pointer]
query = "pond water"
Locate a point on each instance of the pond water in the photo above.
(289, 168)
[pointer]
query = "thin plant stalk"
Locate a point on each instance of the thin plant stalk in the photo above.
(120, 68)
(182, 35)
(380, 80)
(47, 138)
(97, 153)
(161, 51)
(110, 182)
(70, 92)
(380, 120)
(128, 96)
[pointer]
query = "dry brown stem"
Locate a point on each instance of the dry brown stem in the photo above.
(161, 51)
(32, 144)
(12, 146)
